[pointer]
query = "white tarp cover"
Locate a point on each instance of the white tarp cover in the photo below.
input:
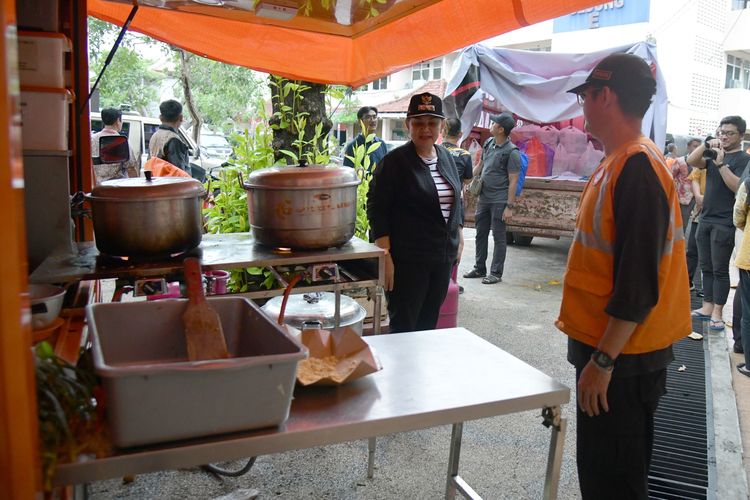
(533, 85)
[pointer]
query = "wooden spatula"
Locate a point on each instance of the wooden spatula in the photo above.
(205, 339)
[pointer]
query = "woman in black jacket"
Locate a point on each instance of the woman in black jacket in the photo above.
(415, 212)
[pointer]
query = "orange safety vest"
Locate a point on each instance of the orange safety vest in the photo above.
(588, 281)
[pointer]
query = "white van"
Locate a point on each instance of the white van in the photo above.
(139, 130)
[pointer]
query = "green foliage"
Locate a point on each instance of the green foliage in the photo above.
(288, 116)
(65, 408)
(128, 79)
(361, 161)
(223, 92)
(228, 213)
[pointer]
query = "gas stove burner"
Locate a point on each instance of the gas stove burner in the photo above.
(106, 260)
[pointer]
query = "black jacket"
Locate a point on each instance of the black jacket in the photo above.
(402, 203)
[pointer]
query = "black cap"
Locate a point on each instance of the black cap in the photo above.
(620, 72)
(505, 120)
(425, 104)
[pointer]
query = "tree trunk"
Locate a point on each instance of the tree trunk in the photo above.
(283, 120)
(189, 102)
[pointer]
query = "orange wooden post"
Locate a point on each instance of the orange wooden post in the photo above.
(19, 469)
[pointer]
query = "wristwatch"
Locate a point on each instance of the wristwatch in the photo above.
(603, 360)
(510, 205)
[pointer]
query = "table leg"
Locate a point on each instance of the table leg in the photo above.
(376, 311)
(371, 457)
(559, 425)
(455, 482)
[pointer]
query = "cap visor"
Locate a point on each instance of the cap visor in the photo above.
(425, 114)
(580, 88)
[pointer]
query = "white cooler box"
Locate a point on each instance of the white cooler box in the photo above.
(44, 115)
(41, 58)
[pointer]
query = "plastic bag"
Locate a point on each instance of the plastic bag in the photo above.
(564, 162)
(574, 140)
(549, 135)
(537, 158)
(589, 160)
(524, 133)
(475, 149)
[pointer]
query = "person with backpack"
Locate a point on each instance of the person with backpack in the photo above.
(499, 171)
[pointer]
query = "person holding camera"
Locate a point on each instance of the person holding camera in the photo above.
(724, 162)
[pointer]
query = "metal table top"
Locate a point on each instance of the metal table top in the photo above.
(429, 378)
(216, 251)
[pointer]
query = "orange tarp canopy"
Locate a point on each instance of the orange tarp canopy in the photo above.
(349, 42)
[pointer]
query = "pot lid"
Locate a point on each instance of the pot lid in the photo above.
(139, 188)
(302, 177)
(315, 306)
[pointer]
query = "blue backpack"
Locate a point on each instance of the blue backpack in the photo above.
(522, 173)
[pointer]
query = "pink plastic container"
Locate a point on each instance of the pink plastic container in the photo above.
(216, 282)
(449, 310)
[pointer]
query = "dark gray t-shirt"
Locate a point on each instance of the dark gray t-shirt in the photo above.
(718, 200)
(495, 170)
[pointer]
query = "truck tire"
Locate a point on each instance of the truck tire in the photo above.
(522, 240)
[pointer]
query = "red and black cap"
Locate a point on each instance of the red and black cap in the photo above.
(621, 72)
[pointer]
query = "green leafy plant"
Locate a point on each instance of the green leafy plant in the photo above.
(67, 413)
(360, 158)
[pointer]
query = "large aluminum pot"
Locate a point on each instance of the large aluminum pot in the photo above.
(302, 206)
(151, 217)
(317, 310)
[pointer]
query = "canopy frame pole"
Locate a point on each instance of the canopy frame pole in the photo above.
(111, 55)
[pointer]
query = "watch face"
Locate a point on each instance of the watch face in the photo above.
(602, 359)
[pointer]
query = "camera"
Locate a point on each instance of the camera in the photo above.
(708, 153)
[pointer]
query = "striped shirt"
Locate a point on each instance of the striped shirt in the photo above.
(444, 189)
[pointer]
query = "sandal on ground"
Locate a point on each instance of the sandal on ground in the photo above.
(492, 279)
(716, 325)
(743, 370)
(698, 314)
(475, 274)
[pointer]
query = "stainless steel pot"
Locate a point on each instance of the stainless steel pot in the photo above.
(302, 206)
(152, 217)
(318, 310)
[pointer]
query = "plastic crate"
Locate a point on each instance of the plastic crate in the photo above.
(154, 394)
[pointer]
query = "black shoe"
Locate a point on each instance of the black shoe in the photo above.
(475, 274)
(460, 289)
(738, 348)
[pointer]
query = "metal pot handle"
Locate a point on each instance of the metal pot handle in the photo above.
(312, 324)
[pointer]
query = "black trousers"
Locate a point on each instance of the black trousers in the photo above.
(419, 289)
(613, 450)
(715, 245)
(490, 216)
(692, 250)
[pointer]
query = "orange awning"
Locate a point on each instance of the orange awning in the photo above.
(350, 42)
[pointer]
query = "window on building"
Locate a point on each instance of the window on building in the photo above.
(380, 83)
(428, 70)
(738, 73)
(739, 4)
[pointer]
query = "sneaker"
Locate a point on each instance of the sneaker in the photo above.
(738, 348)
(475, 274)
(741, 368)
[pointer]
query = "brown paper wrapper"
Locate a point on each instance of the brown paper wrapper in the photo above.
(335, 357)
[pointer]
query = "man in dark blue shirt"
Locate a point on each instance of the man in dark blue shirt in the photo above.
(368, 119)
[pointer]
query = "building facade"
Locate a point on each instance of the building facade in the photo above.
(702, 46)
